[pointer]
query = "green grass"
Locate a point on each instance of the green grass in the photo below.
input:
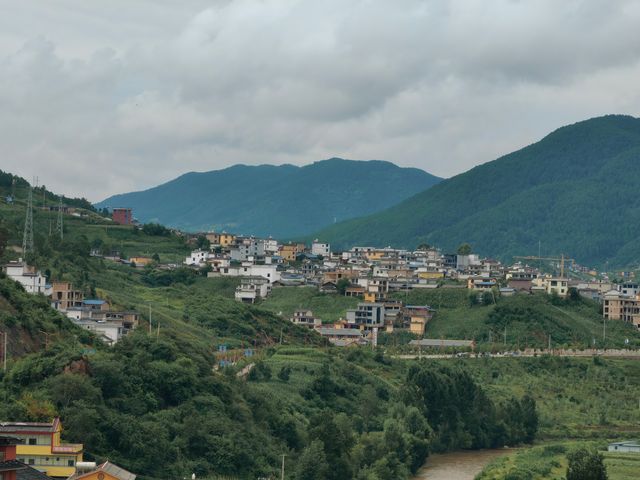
(202, 313)
(527, 319)
(622, 466)
(328, 307)
(549, 462)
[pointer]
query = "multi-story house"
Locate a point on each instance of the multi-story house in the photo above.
(305, 318)
(617, 306)
(223, 239)
(247, 248)
(252, 289)
(320, 248)
(197, 257)
(122, 216)
(367, 315)
(43, 448)
(557, 285)
(31, 279)
(63, 296)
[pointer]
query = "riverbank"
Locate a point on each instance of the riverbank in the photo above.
(549, 461)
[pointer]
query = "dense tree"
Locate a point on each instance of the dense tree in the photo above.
(530, 419)
(342, 285)
(203, 243)
(4, 238)
(586, 464)
(464, 249)
(312, 464)
(155, 229)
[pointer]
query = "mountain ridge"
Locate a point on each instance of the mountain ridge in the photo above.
(504, 207)
(283, 201)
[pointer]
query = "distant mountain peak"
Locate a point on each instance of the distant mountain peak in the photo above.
(278, 200)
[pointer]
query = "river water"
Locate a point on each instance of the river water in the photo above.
(462, 465)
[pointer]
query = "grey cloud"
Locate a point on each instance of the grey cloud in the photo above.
(99, 98)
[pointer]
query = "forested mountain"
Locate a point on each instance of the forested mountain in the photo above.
(575, 191)
(282, 201)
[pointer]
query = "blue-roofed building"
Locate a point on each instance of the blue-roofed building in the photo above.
(95, 304)
(481, 283)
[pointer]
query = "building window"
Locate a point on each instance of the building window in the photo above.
(33, 441)
(70, 463)
(32, 461)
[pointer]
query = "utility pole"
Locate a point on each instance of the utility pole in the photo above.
(4, 352)
(549, 343)
(604, 330)
(505, 335)
(150, 319)
(27, 238)
(282, 471)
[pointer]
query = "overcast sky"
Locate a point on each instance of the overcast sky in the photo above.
(108, 96)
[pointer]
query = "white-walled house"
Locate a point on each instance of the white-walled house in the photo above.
(31, 279)
(270, 246)
(252, 289)
(110, 331)
(267, 271)
(197, 257)
(319, 248)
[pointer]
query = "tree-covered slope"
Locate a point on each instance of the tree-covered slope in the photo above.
(282, 201)
(575, 191)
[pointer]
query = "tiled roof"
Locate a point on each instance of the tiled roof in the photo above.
(11, 427)
(30, 473)
(109, 468)
(11, 465)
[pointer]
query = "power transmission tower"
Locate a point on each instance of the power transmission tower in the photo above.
(27, 239)
(59, 225)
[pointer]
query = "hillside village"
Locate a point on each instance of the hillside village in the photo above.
(379, 281)
(372, 275)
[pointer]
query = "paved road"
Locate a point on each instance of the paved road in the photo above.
(611, 353)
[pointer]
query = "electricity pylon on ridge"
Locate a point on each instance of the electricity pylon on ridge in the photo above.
(59, 223)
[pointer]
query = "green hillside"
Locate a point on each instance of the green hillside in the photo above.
(283, 201)
(160, 389)
(335, 413)
(527, 320)
(575, 191)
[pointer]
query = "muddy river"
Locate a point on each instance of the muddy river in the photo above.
(464, 465)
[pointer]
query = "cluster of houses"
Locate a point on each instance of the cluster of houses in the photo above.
(35, 451)
(362, 324)
(90, 314)
(371, 273)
